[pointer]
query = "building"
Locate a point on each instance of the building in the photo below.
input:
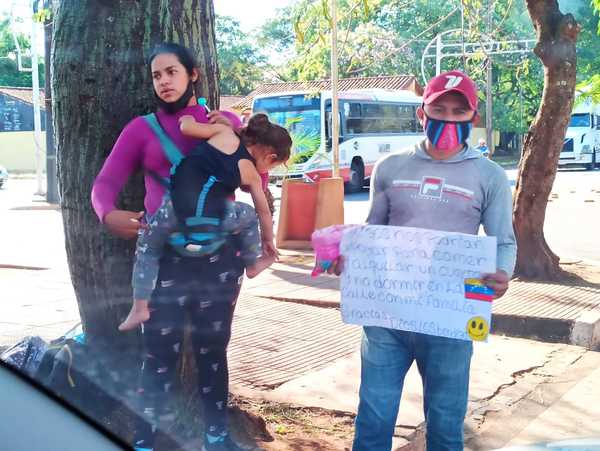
(17, 144)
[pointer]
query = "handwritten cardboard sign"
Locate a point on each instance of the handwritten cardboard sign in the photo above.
(418, 280)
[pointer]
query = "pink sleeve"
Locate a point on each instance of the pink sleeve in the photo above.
(265, 180)
(125, 157)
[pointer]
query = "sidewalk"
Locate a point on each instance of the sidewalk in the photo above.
(299, 353)
(557, 313)
(289, 345)
(508, 374)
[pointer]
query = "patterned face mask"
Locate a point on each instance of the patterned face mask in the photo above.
(447, 135)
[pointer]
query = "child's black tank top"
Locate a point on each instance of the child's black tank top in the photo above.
(205, 179)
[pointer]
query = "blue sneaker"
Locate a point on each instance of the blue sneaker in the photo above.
(220, 443)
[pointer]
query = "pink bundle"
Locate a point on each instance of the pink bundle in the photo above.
(326, 243)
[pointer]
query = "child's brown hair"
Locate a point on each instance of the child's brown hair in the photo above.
(261, 131)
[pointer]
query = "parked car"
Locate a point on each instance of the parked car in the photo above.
(3, 176)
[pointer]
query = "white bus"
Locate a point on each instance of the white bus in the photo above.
(373, 123)
(582, 141)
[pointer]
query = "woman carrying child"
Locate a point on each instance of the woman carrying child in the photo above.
(202, 287)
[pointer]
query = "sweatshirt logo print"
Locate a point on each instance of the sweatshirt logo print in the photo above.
(431, 187)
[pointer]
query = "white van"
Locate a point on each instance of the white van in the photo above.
(582, 141)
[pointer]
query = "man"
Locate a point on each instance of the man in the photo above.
(440, 184)
(481, 147)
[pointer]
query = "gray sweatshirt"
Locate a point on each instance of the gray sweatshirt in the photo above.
(459, 194)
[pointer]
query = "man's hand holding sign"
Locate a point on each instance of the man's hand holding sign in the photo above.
(417, 280)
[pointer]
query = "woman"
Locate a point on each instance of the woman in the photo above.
(206, 290)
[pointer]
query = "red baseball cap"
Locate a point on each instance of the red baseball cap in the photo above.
(453, 81)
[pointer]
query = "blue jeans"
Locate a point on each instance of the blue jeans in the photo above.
(444, 365)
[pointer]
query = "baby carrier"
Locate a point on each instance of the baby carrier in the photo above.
(199, 232)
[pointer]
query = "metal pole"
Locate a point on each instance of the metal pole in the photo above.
(438, 55)
(489, 125)
(51, 176)
(37, 123)
(335, 115)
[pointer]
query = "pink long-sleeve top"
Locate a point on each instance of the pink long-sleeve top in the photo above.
(138, 147)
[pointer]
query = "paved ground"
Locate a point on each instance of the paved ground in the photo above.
(520, 388)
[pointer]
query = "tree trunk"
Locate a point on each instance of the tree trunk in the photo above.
(100, 82)
(556, 38)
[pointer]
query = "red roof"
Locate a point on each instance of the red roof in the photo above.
(23, 94)
(395, 83)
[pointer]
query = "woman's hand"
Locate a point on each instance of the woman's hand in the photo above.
(124, 224)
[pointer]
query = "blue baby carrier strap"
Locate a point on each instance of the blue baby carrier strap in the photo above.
(189, 242)
(170, 149)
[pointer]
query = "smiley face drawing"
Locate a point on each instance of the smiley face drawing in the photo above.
(478, 328)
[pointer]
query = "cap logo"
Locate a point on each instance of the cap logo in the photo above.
(453, 81)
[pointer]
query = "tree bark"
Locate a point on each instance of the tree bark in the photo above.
(100, 81)
(556, 38)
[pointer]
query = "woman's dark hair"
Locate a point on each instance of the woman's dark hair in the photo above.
(261, 131)
(183, 54)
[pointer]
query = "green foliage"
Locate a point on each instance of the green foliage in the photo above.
(588, 65)
(241, 64)
(387, 37)
(43, 15)
(304, 143)
(9, 71)
(301, 157)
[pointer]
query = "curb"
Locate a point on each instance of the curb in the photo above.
(583, 331)
(22, 267)
(54, 207)
(312, 303)
(586, 330)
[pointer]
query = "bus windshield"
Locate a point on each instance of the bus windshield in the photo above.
(299, 114)
(580, 120)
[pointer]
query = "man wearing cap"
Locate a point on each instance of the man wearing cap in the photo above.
(442, 184)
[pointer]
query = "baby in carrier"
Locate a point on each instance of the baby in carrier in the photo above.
(198, 212)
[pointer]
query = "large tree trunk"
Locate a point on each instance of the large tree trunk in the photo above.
(556, 38)
(100, 82)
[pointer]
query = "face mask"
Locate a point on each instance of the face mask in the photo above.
(447, 135)
(177, 105)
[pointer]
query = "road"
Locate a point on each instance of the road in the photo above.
(31, 234)
(572, 227)
(33, 237)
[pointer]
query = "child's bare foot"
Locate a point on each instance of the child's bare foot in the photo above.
(138, 314)
(259, 266)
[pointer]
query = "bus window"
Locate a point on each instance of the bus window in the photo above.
(580, 120)
(299, 114)
(371, 118)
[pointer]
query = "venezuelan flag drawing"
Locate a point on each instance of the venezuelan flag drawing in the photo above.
(476, 290)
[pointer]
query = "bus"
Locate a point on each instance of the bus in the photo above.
(581, 146)
(373, 123)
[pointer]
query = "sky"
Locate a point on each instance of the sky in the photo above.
(246, 12)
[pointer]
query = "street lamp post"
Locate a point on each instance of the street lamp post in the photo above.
(37, 123)
(335, 115)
